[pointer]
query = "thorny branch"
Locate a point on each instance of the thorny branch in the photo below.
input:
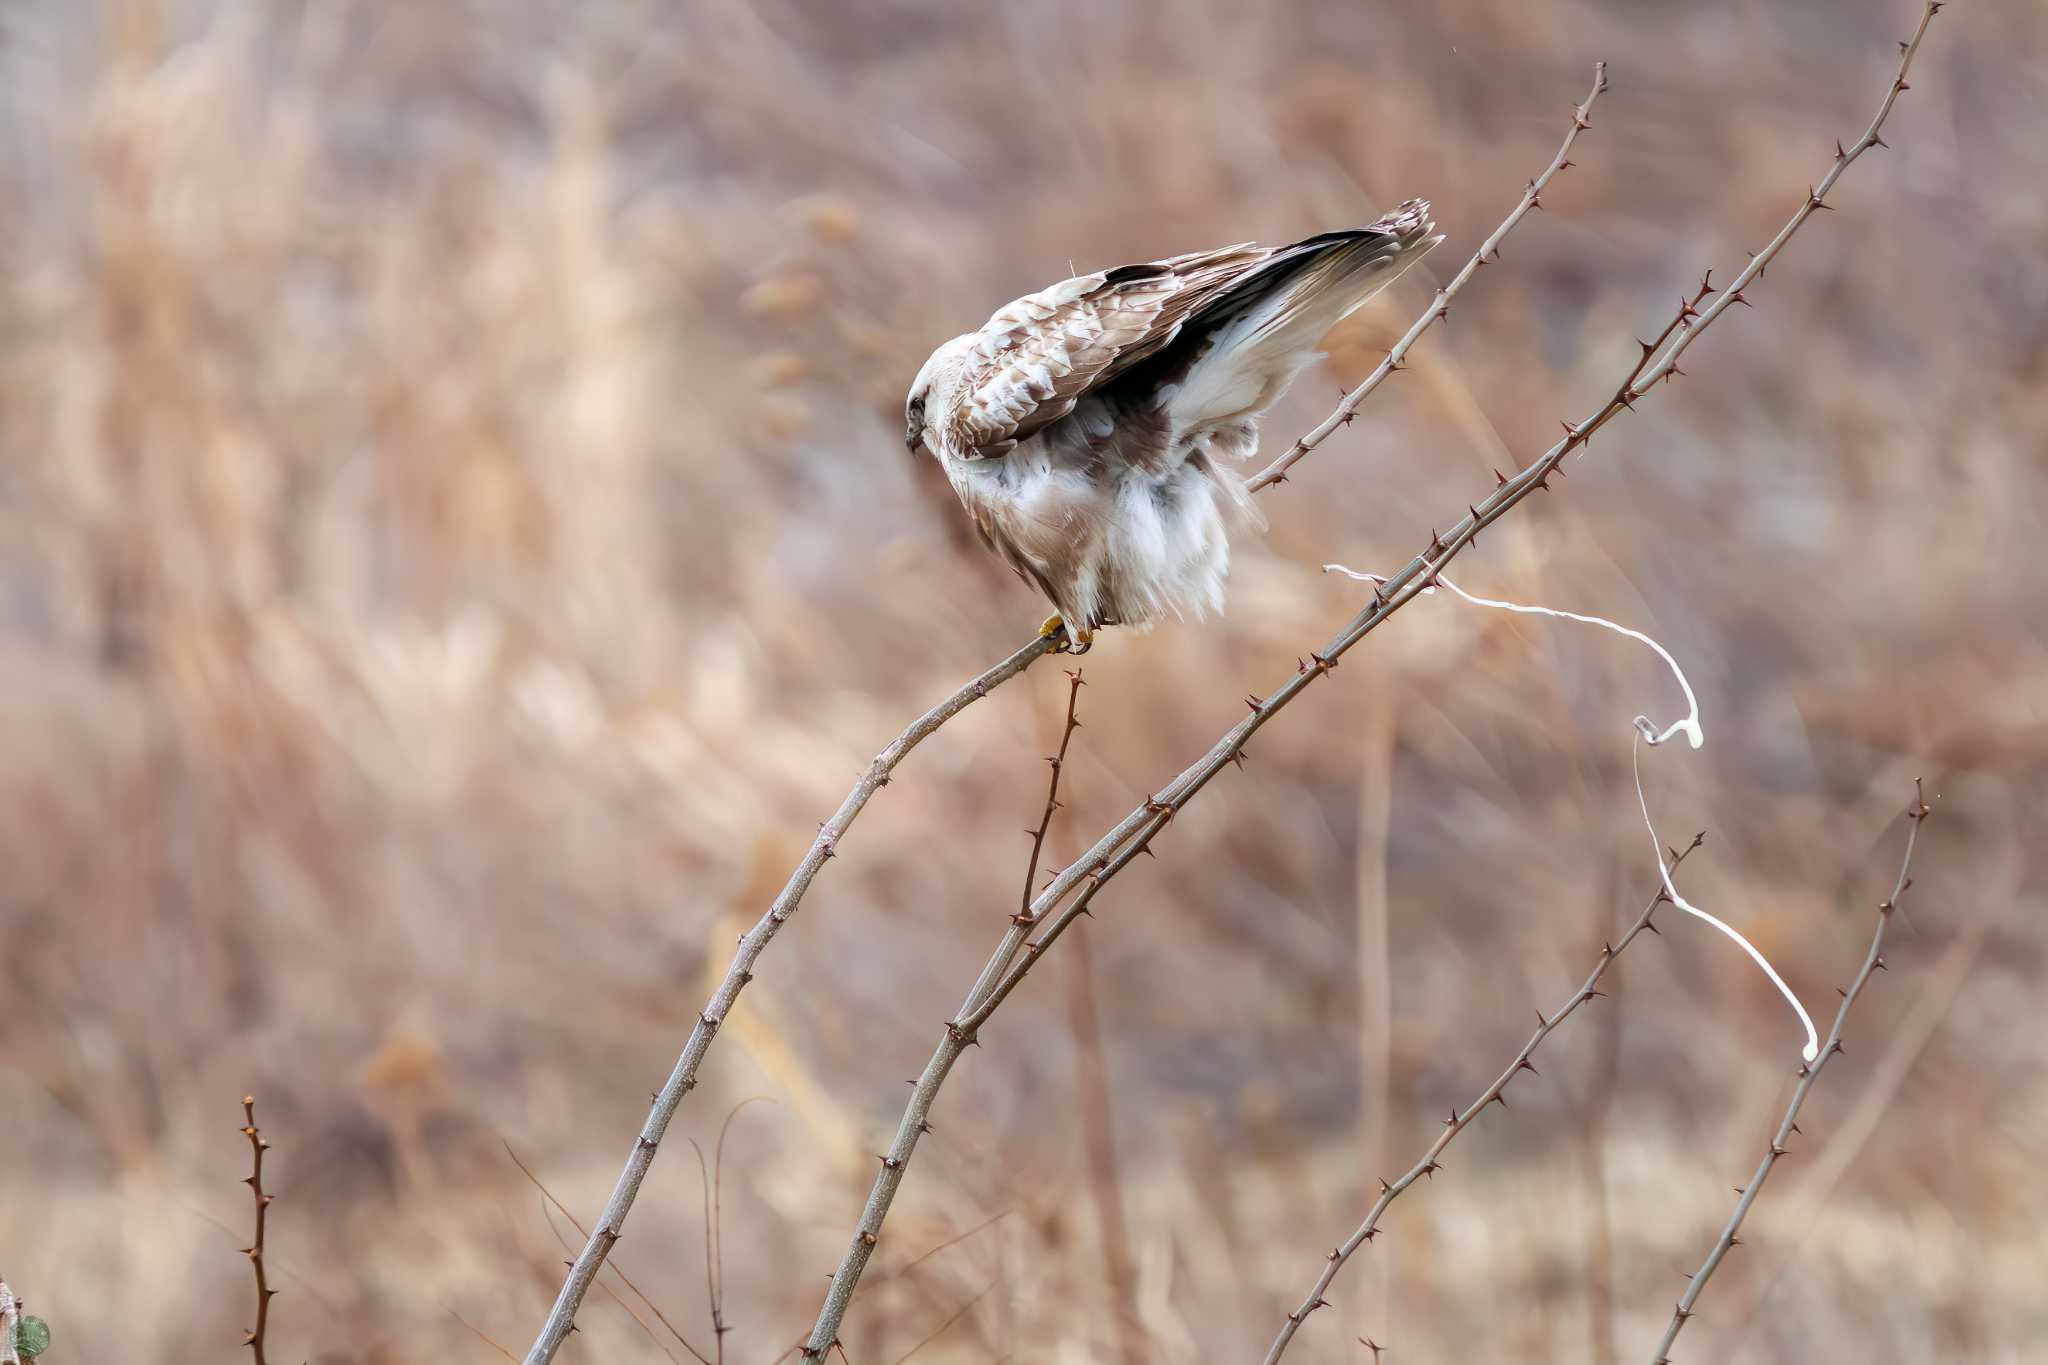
(253, 1339)
(563, 1209)
(583, 1271)
(1873, 961)
(562, 1317)
(1440, 306)
(1133, 835)
(1462, 1119)
(1058, 762)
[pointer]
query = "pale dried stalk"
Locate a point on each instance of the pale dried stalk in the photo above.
(1440, 306)
(1134, 833)
(584, 1270)
(1462, 1119)
(1809, 1073)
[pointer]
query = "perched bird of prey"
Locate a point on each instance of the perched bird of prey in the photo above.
(1090, 429)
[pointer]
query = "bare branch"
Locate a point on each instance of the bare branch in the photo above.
(482, 1336)
(955, 1240)
(1131, 836)
(714, 1225)
(562, 1317)
(1440, 306)
(253, 1339)
(940, 1330)
(547, 1213)
(1809, 1073)
(619, 1271)
(1690, 328)
(1431, 1163)
(1052, 794)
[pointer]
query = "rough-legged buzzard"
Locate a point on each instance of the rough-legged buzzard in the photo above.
(1090, 428)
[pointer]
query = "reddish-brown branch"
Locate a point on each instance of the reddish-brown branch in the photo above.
(1058, 762)
(254, 1338)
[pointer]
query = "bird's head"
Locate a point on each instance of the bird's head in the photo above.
(932, 390)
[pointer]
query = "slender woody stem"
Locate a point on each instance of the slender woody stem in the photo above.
(1462, 1119)
(254, 1338)
(583, 1271)
(1440, 306)
(1873, 961)
(1052, 792)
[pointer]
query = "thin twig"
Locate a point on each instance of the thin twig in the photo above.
(1808, 1073)
(479, 1334)
(714, 1228)
(562, 1317)
(954, 1240)
(710, 1254)
(253, 1339)
(547, 1214)
(1462, 1119)
(1132, 836)
(1816, 200)
(1440, 306)
(627, 1280)
(940, 1330)
(1058, 762)
(1945, 981)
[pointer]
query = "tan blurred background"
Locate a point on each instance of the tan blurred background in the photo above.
(455, 545)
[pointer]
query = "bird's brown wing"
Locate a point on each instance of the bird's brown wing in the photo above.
(1037, 356)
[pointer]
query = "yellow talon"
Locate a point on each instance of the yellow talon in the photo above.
(1056, 626)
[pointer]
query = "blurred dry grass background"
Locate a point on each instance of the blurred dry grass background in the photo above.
(455, 544)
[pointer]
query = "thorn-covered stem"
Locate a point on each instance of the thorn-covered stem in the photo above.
(1440, 303)
(1873, 961)
(254, 1339)
(1815, 200)
(683, 1078)
(1462, 1119)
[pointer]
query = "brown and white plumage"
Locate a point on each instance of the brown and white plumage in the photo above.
(1089, 428)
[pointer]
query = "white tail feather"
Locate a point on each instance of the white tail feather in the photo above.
(1259, 353)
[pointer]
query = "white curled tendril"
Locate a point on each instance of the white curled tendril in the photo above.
(1646, 733)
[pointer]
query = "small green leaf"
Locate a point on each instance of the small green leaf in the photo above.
(32, 1335)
